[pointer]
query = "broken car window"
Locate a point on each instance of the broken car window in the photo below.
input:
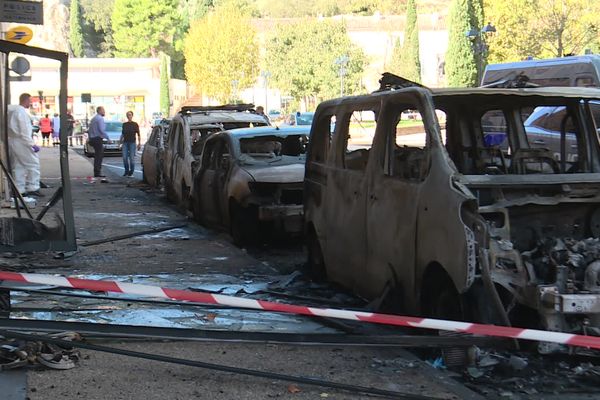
(360, 131)
(406, 154)
(544, 128)
(272, 148)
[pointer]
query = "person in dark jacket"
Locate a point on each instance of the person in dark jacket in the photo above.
(130, 131)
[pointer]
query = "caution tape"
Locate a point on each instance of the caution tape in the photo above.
(238, 302)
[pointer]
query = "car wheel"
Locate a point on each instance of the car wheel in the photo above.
(316, 261)
(144, 177)
(87, 153)
(184, 202)
(196, 208)
(170, 192)
(447, 304)
(244, 226)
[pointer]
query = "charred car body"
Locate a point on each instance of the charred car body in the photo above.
(452, 224)
(250, 179)
(189, 129)
(153, 154)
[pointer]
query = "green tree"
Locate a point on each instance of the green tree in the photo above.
(461, 65)
(513, 38)
(165, 98)
(405, 58)
(97, 31)
(75, 33)
(143, 28)
(302, 60)
(542, 29)
(221, 53)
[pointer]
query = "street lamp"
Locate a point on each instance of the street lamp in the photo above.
(480, 47)
(266, 75)
(342, 62)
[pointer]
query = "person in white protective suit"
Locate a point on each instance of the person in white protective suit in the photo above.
(23, 150)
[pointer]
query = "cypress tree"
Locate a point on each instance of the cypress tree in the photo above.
(164, 87)
(461, 66)
(405, 57)
(411, 64)
(75, 32)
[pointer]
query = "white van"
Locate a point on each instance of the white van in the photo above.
(567, 71)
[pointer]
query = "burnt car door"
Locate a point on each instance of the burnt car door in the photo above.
(224, 160)
(169, 165)
(400, 165)
(204, 197)
(181, 161)
(345, 199)
(150, 157)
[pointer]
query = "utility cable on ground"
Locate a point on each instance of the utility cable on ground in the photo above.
(218, 367)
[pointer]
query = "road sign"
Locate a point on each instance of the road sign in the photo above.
(25, 12)
(19, 34)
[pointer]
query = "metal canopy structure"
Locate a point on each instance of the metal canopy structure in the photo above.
(31, 230)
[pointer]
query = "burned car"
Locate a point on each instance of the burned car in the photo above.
(448, 224)
(189, 128)
(250, 180)
(153, 153)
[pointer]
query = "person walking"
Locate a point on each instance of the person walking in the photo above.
(97, 132)
(128, 137)
(70, 126)
(55, 130)
(46, 129)
(23, 150)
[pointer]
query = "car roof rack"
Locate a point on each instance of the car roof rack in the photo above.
(224, 107)
(390, 81)
(519, 81)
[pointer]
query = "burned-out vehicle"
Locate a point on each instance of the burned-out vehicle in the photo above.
(153, 153)
(448, 224)
(250, 181)
(189, 129)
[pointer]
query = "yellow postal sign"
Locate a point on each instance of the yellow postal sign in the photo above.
(19, 34)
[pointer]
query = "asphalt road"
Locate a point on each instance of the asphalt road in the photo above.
(192, 256)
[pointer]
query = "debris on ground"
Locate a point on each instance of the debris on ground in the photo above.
(511, 374)
(19, 354)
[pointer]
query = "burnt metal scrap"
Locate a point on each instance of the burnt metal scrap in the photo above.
(390, 81)
(18, 353)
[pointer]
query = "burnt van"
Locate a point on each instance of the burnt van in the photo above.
(445, 223)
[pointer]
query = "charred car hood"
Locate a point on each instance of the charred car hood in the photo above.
(289, 173)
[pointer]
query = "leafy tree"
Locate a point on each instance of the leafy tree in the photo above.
(142, 28)
(513, 39)
(75, 34)
(302, 60)
(405, 58)
(461, 64)
(221, 52)
(165, 98)
(542, 28)
(97, 31)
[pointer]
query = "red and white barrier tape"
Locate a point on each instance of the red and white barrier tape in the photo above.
(397, 320)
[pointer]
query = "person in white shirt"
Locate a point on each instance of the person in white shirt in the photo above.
(23, 150)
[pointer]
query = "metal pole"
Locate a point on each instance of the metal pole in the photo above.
(8, 169)
(266, 93)
(341, 80)
(71, 241)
